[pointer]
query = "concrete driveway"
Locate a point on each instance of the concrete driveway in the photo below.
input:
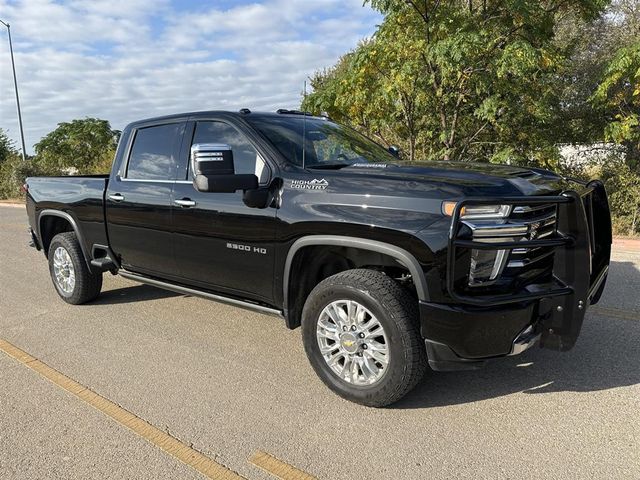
(228, 384)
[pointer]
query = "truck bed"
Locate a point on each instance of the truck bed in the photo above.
(80, 196)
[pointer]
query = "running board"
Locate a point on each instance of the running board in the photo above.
(199, 293)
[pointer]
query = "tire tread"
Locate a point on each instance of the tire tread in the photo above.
(402, 309)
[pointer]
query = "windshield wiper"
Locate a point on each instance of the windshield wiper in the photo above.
(329, 166)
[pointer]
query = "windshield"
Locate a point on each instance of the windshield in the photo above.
(327, 144)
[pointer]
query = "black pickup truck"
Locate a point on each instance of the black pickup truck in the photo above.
(387, 266)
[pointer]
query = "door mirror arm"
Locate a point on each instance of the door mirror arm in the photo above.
(263, 197)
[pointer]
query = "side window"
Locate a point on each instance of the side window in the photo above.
(153, 155)
(245, 157)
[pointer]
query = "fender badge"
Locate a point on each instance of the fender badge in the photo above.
(314, 184)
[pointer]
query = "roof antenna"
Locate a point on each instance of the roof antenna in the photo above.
(304, 126)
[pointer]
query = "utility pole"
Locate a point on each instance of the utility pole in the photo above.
(15, 84)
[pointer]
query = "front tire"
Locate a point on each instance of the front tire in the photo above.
(74, 282)
(361, 335)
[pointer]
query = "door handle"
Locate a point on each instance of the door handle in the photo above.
(185, 203)
(116, 197)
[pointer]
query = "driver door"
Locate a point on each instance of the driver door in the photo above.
(220, 243)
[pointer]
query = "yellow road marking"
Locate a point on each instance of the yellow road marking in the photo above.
(278, 468)
(157, 437)
(617, 313)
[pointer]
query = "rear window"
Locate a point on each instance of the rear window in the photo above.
(153, 155)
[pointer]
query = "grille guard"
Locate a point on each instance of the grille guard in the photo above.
(582, 247)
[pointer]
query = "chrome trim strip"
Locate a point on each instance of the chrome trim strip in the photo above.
(525, 340)
(529, 208)
(498, 264)
(528, 261)
(200, 293)
(596, 285)
(510, 228)
(142, 180)
(499, 231)
(146, 180)
(206, 152)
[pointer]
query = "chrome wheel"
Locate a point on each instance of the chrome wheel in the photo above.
(352, 342)
(63, 271)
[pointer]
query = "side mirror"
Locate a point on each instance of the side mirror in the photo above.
(395, 151)
(213, 170)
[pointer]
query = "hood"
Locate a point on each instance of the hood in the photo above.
(467, 178)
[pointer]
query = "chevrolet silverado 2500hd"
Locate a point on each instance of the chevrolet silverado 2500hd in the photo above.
(388, 267)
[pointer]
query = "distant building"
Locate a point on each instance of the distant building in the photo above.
(582, 154)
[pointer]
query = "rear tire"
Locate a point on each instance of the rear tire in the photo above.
(71, 277)
(357, 307)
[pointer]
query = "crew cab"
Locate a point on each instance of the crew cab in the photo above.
(389, 267)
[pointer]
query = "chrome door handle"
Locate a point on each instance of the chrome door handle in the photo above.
(116, 197)
(185, 202)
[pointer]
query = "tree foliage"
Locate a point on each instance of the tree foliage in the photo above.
(7, 147)
(82, 146)
(504, 81)
(619, 92)
(456, 79)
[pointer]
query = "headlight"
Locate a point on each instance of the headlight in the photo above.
(486, 265)
(477, 212)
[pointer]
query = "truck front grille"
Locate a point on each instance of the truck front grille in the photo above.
(524, 265)
(547, 239)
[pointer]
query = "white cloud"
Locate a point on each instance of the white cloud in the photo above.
(123, 60)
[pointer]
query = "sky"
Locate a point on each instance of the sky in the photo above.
(124, 60)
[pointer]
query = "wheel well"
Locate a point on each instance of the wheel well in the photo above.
(314, 263)
(50, 226)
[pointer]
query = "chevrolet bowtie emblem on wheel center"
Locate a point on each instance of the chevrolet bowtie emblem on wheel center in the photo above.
(349, 342)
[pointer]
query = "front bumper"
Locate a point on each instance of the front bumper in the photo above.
(475, 328)
(459, 338)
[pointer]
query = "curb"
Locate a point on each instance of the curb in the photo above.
(626, 244)
(13, 205)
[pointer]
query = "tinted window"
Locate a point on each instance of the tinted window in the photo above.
(245, 158)
(326, 143)
(153, 152)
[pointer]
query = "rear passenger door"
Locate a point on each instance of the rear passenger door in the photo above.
(139, 200)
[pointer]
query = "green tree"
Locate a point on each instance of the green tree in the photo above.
(591, 47)
(619, 93)
(7, 147)
(82, 146)
(623, 186)
(457, 79)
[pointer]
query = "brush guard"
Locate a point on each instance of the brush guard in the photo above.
(582, 250)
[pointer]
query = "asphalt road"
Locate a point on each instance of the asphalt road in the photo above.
(229, 383)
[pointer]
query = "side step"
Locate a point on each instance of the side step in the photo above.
(199, 293)
(103, 264)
